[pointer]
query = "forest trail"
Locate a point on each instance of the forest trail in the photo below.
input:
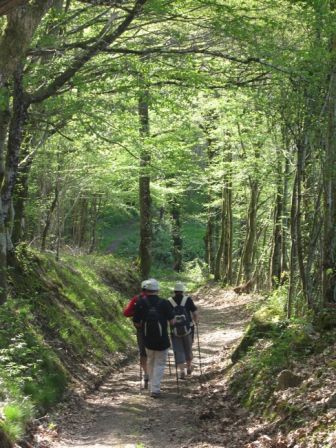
(118, 415)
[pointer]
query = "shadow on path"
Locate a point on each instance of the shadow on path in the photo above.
(120, 415)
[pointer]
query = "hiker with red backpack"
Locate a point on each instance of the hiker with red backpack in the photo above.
(152, 315)
(129, 312)
(182, 332)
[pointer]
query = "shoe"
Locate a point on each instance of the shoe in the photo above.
(155, 394)
(182, 376)
(145, 383)
(189, 370)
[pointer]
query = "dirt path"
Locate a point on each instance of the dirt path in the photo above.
(119, 415)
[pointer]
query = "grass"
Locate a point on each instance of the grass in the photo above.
(61, 317)
(271, 344)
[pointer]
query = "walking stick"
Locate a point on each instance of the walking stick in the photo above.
(199, 350)
(169, 365)
(177, 379)
(140, 374)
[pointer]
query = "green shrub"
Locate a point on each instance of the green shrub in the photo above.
(61, 317)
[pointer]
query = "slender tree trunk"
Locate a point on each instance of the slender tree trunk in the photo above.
(49, 218)
(247, 257)
(82, 224)
(299, 239)
(209, 240)
(284, 250)
(144, 189)
(276, 256)
(208, 126)
(228, 278)
(97, 201)
(176, 234)
(293, 252)
(222, 238)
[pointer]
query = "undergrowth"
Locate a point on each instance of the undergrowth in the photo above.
(61, 324)
(271, 344)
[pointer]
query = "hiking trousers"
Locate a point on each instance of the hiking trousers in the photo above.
(182, 347)
(156, 363)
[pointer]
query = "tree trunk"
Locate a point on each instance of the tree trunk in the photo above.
(20, 28)
(293, 252)
(176, 234)
(284, 227)
(222, 238)
(329, 173)
(95, 208)
(247, 257)
(301, 157)
(228, 277)
(49, 218)
(276, 256)
(144, 189)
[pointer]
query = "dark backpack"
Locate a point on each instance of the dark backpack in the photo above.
(182, 325)
(152, 327)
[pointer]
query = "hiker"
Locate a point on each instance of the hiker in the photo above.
(182, 334)
(152, 315)
(129, 312)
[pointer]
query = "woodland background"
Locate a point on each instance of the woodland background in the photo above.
(187, 135)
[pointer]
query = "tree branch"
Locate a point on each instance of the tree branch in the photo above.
(104, 41)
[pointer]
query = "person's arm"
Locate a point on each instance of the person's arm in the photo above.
(171, 322)
(129, 309)
(193, 310)
(138, 314)
(169, 313)
(195, 316)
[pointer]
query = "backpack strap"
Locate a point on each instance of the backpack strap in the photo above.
(183, 303)
(172, 302)
(184, 300)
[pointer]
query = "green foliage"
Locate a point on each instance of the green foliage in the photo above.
(254, 379)
(61, 317)
(271, 345)
(16, 415)
(274, 307)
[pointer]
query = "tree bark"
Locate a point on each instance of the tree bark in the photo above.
(49, 218)
(275, 271)
(144, 188)
(7, 5)
(21, 25)
(222, 238)
(247, 257)
(176, 234)
(293, 252)
(329, 196)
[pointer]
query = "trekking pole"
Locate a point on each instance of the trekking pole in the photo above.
(169, 365)
(140, 375)
(177, 379)
(199, 350)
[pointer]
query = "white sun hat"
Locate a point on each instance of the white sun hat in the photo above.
(144, 284)
(179, 287)
(152, 285)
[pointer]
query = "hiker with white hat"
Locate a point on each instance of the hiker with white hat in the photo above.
(185, 315)
(152, 315)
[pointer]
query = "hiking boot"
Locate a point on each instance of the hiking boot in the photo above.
(146, 383)
(155, 394)
(182, 375)
(189, 370)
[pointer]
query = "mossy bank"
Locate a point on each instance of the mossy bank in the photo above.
(62, 326)
(284, 374)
